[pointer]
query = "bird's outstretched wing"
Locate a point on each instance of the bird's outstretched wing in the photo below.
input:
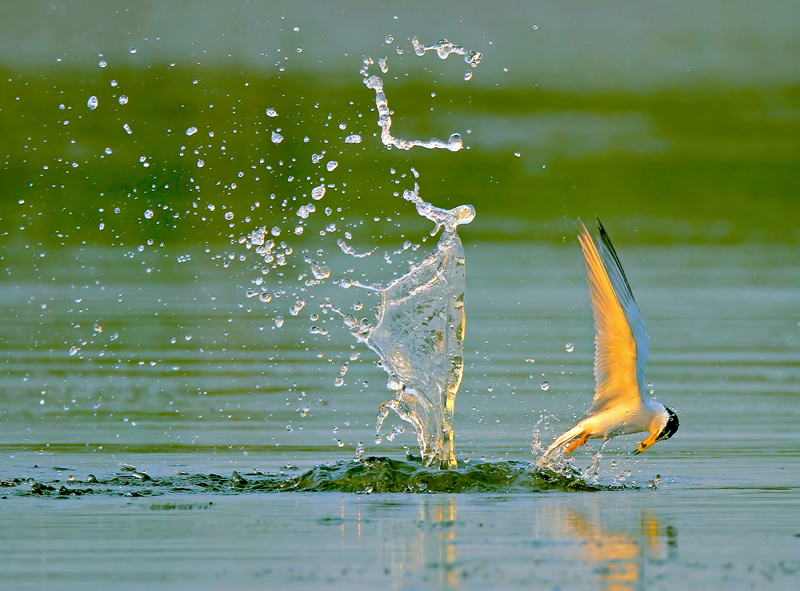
(621, 342)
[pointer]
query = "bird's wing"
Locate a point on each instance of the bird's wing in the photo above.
(625, 297)
(621, 343)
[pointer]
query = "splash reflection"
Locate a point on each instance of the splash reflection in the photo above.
(432, 548)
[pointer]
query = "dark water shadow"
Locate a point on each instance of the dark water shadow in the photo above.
(366, 476)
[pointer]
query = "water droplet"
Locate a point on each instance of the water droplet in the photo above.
(103, 63)
(133, 50)
(107, 150)
(123, 100)
(454, 144)
(188, 337)
(298, 305)
(378, 438)
(148, 214)
(127, 128)
(276, 231)
(114, 83)
(331, 165)
(389, 39)
(272, 112)
(200, 164)
(229, 215)
(92, 103)
(318, 192)
(468, 75)
(545, 386)
(306, 210)
(276, 137)
(338, 382)
(535, 27)
(570, 347)
(73, 351)
(279, 321)
(340, 443)
(320, 272)
(353, 139)
(191, 131)
(288, 428)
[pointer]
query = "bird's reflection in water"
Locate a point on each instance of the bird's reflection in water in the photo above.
(439, 541)
(619, 549)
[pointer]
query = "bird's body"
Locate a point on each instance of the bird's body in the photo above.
(621, 351)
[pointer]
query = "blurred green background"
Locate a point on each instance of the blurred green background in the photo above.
(674, 122)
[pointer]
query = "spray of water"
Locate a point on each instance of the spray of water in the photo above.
(443, 48)
(419, 336)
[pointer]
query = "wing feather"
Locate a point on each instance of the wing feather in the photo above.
(624, 294)
(615, 363)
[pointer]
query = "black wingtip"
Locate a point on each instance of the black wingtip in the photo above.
(604, 238)
(603, 234)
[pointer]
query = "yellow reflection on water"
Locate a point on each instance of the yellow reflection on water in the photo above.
(616, 549)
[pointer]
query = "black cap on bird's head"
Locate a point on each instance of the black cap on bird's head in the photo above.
(671, 427)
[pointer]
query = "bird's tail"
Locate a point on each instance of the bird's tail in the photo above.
(558, 448)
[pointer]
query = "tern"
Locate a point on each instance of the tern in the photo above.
(621, 350)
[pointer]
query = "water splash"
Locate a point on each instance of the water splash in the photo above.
(537, 448)
(419, 336)
(347, 249)
(592, 471)
(363, 475)
(443, 48)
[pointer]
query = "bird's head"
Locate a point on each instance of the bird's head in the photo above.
(670, 427)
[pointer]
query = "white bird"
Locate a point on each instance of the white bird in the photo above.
(621, 350)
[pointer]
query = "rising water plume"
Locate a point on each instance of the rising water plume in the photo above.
(421, 323)
(419, 336)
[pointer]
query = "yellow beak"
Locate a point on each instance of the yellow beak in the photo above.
(646, 443)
